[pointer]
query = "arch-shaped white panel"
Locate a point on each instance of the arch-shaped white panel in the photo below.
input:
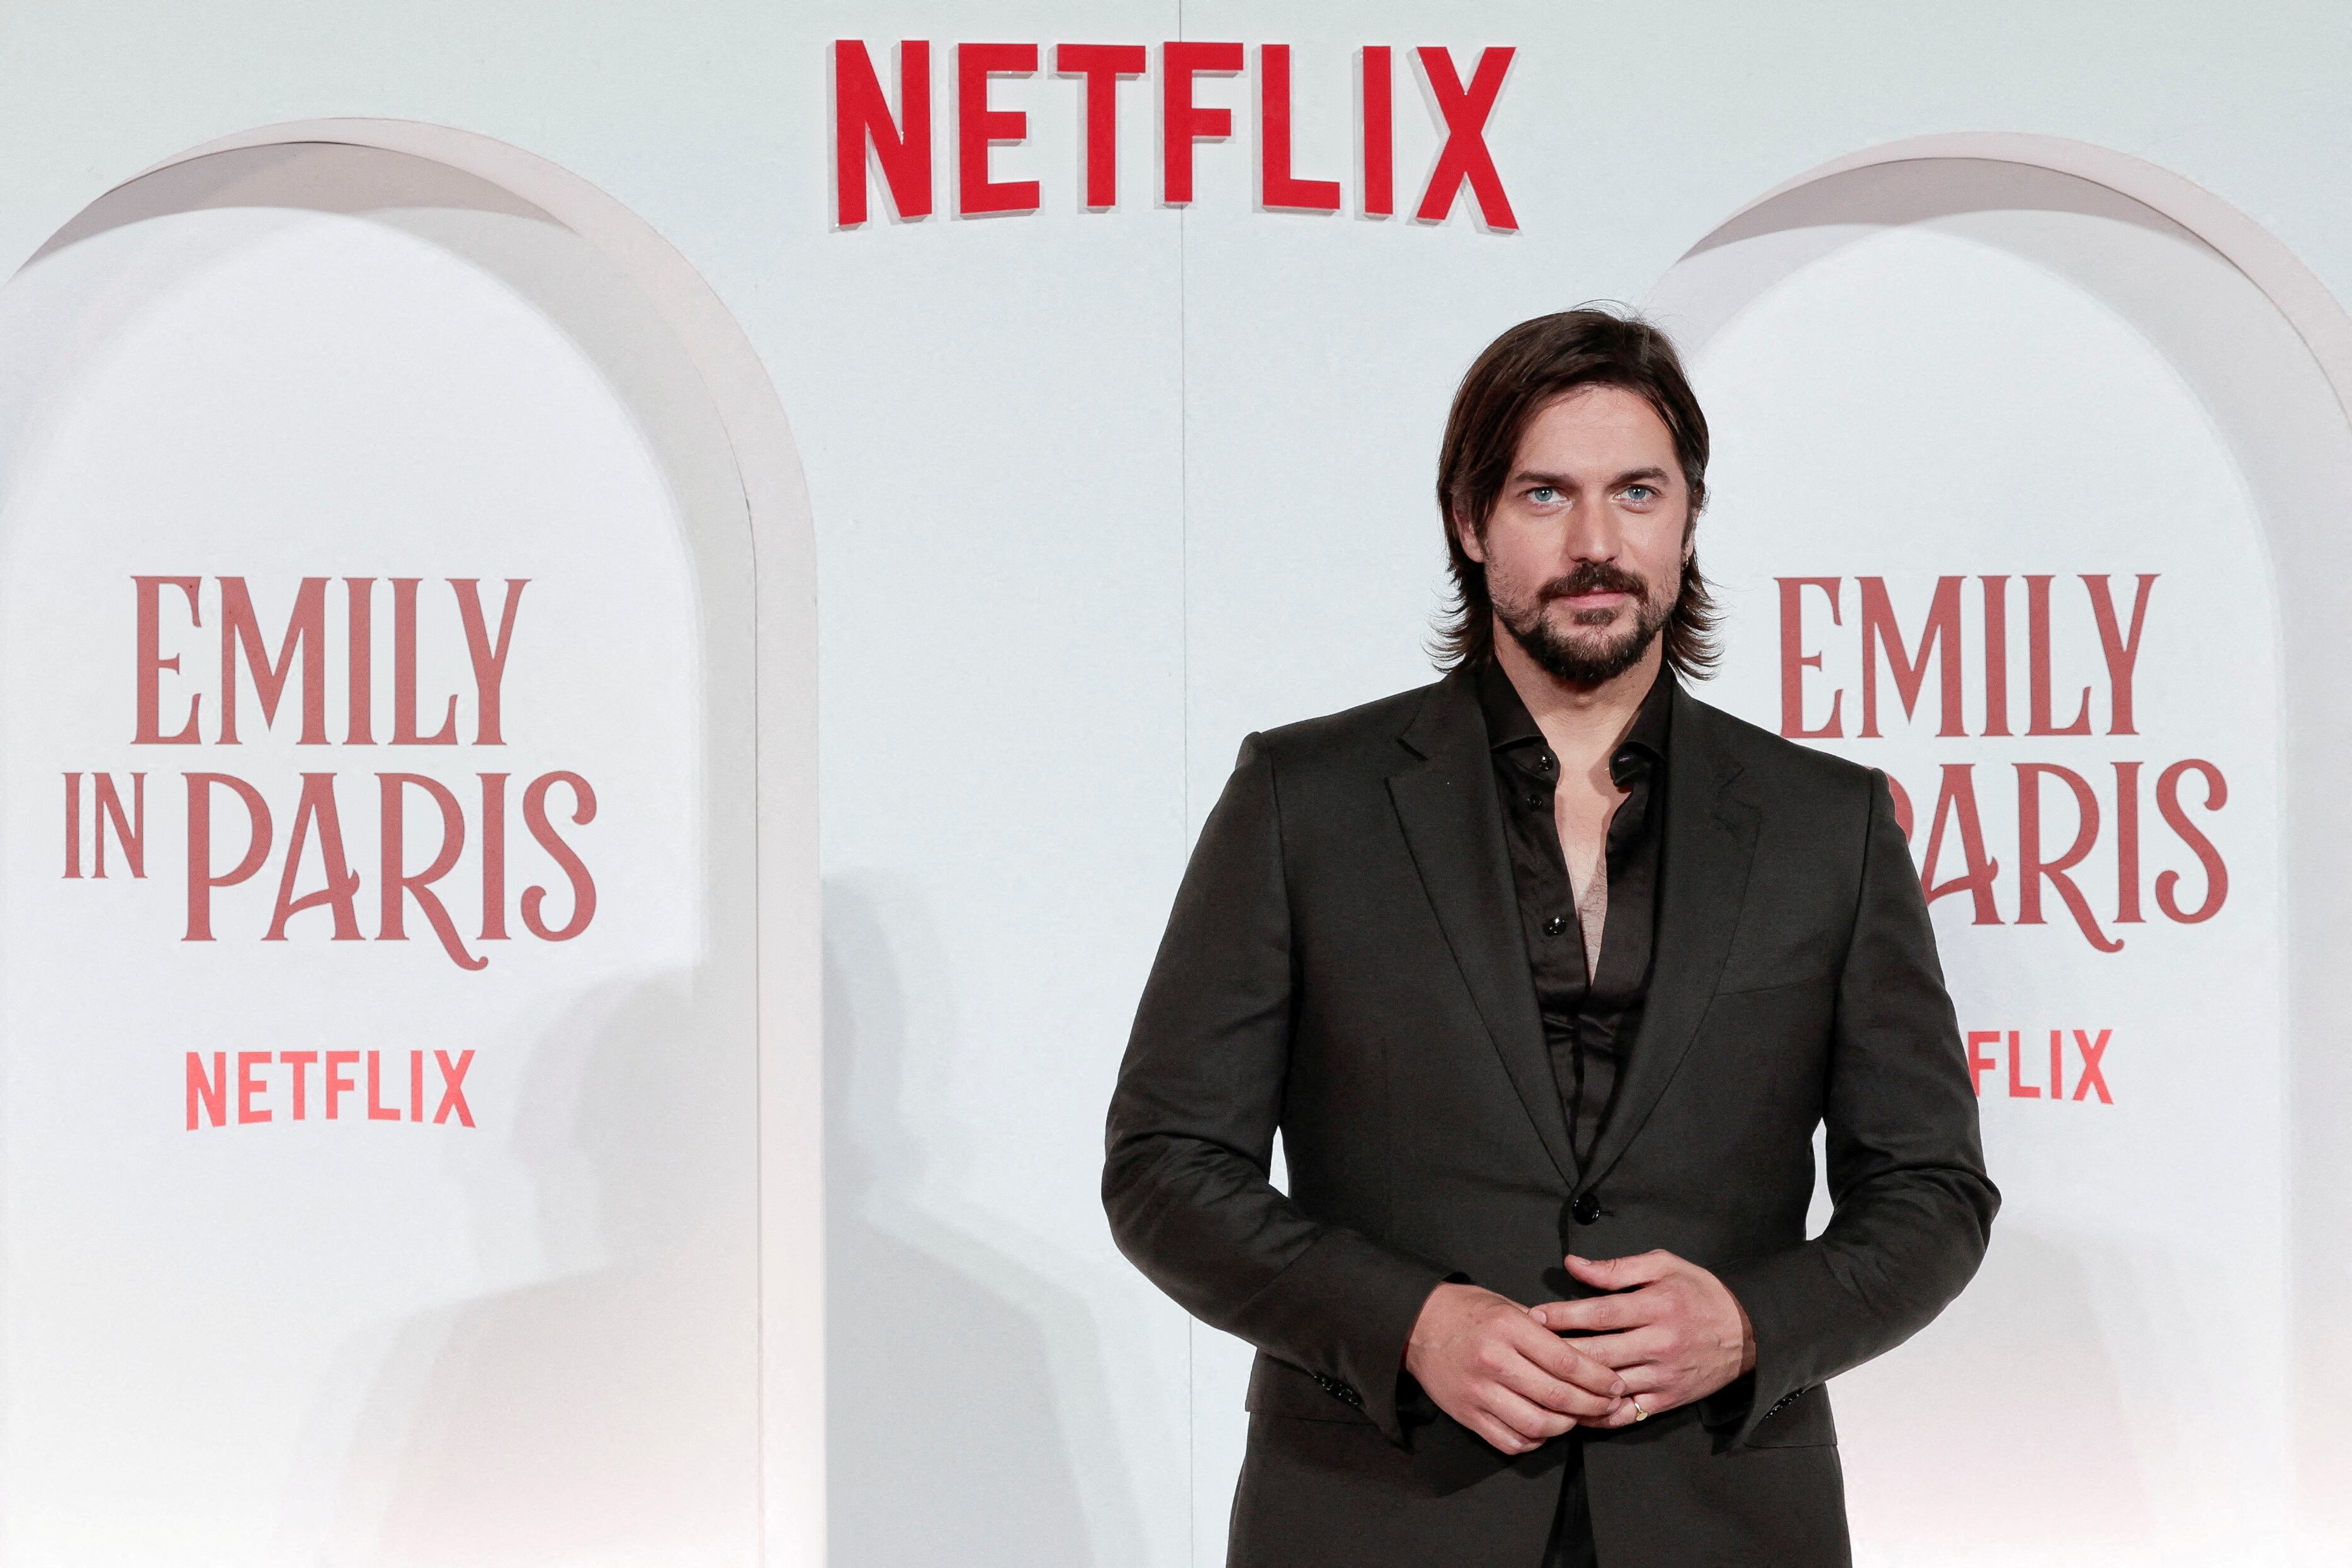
(1938, 372)
(363, 377)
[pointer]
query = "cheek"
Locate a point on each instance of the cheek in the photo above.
(1521, 549)
(1512, 576)
(1661, 552)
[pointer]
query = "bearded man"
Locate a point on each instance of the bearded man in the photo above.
(1547, 974)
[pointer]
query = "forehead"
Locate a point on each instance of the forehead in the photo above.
(1597, 428)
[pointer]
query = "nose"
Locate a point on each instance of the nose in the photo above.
(1592, 532)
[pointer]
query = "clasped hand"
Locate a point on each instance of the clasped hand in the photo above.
(1667, 1332)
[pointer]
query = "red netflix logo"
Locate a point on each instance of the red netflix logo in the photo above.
(2074, 1056)
(212, 1091)
(896, 137)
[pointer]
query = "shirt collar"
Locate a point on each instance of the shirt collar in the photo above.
(1510, 724)
(1653, 724)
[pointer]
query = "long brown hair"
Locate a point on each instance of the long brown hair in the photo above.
(1519, 374)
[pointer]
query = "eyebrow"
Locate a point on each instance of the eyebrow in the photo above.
(1568, 481)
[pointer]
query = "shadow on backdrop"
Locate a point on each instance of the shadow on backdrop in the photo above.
(609, 1414)
(969, 1421)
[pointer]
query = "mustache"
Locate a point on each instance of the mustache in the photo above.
(1595, 577)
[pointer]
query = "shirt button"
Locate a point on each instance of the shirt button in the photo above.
(1555, 926)
(1587, 1209)
(1546, 762)
(1534, 798)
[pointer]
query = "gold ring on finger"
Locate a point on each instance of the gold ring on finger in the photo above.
(1639, 1414)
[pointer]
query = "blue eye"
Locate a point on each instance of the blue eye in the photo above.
(1542, 493)
(1639, 492)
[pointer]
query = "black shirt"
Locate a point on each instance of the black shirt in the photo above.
(1588, 1020)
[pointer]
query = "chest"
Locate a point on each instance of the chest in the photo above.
(1582, 809)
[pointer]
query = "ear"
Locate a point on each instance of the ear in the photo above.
(1472, 545)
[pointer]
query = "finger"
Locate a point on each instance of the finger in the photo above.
(1593, 1314)
(1497, 1435)
(1623, 1352)
(1650, 1381)
(1563, 1359)
(1617, 1273)
(1532, 1382)
(1627, 1414)
(1524, 1416)
(1640, 1406)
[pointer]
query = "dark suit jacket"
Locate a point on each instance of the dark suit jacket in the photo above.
(1344, 962)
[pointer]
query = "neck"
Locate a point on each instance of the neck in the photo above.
(1583, 723)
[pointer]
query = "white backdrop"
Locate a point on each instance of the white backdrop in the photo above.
(1922, 404)
(1098, 492)
(498, 1300)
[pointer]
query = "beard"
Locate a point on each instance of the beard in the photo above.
(1596, 657)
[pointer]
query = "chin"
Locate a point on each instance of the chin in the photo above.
(1599, 644)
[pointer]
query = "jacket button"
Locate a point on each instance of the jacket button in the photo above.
(1587, 1209)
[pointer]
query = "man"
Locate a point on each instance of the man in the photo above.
(1547, 973)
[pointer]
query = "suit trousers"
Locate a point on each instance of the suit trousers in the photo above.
(1571, 1528)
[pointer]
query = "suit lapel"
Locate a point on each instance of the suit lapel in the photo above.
(1710, 845)
(1453, 827)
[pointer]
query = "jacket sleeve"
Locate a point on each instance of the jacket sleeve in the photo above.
(1913, 1207)
(1191, 1125)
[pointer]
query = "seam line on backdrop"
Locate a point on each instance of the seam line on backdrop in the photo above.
(1184, 755)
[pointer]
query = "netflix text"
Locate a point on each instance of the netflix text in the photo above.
(893, 131)
(250, 1086)
(2063, 1066)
